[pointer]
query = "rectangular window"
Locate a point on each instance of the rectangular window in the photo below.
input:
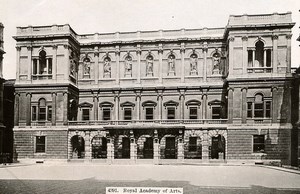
(42, 113)
(149, 113)
(269, 58)
(49, 66)
(106, 114)
(40, 144)
(34, 71)
(49, 117)
(250, 58)
(127, 114)
(193, 113)
(258, 143)
(268, 109)
(216, 112)
(249, 109)
(192, 144)
(258, 110)
(34, 113)
(171, 113)
(85, 114)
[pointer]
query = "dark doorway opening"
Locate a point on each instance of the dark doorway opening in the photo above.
(218, 147)
(77, 143)
(125, 147)
(170, 150)
(99, 147)
(148, 148)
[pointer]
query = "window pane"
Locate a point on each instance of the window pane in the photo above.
(85, 114)
(127, 114)
(258, 143)
(192, 144)
(259, 110)
(216, 112)
(249, 109)
(149, 113)
(49, 66)
(193, 113)
(268, 109)
(171, 113)
(40, 144)
(42, 113)
(49, 113)
(106, 114)
(34, 108)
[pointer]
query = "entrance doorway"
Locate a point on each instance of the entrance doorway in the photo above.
(77, 143)
(170, 151)
(148, 148)
(99, 147)
(125, 147)
(218, 147)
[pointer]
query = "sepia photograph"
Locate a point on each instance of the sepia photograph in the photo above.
(149, 97)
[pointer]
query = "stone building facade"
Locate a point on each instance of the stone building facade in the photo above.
(189, 95)
(1, 89)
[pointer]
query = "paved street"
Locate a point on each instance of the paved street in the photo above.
(87, 178)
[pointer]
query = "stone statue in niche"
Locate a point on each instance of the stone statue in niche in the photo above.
(171, 65)
(149, 66)
(86, 66)
(128, 66)
(107, 68)
(194, 65)
(216, 63)
(73, 63)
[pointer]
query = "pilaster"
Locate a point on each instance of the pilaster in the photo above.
(138, 53)
(28, 109)
(160, 52)
(53, 108)
(230, 105)
(205, 151)
(96, 102)
(245, 54)
(117, 101)
(18, 48)
(205, 48)
(54, 62)
(244, 105)
(274, 59)
(182, 51)
(156, 148)
(65, 113)
(96, 62)
(16, 109)
(231, 41)
(117, 53)
(29, 67)
(274, 104)
(133, 148)
(288, 53)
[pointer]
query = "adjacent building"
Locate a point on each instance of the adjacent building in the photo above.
(1, 91)
(188, 95)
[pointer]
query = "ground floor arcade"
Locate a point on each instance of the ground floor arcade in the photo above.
(153, 144)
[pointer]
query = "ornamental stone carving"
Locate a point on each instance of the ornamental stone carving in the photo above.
(107, 68)
(128, 66)
(149, 66)
(216, 63)
(194, 64)
(171, 65)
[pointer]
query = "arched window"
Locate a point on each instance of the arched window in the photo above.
(259, 54)
(42, 65)
(259, 107)
(41, 111)
(107, 68)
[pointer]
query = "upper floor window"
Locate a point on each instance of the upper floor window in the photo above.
(171, 113)
(149, 113)
(171, 109)
(216, 109)
(85, 114)
(260, 57)
(41, 111)
(193, 112)
(106, 114)
(42, 65)
(127, 113)
(260, 107)
(193, 106)
(106, 110)
(149, 109)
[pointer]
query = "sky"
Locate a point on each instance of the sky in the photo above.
(91, 16)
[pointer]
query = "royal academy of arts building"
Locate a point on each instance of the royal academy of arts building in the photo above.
(165, 96)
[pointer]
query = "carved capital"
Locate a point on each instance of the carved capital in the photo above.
(274, 37)
(231, 38)
(66, 46)
(289, 36)
(54, 47)
(160, 51)
(244, 89)
(29, 48)
(18, 48)
(244, 38)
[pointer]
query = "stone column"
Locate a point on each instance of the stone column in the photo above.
(67, 62)
(96, 59)
(53, 108)
(160, 52)
(159, 104)
(205, 48)
(245, 54)
(96, 100)
(117, 52)
(265, 58)
(288, 53)
(87, 147)
(110, 150)
(16, 109)
(54, 62)
(138, 53)
(275, 53)
(133, 148)
(205, 151)
(180, 148)
(181, 98)
(138, 106)
(244, 105)
(18, 48)
(274, 104)
(28, 109)
(182, 49)
(29, 48)
(65, 113)
(117, 100)
(231, 40)
(230, 105)
(204, 106)
(156, 148)
(253, 57)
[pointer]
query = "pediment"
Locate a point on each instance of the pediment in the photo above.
(193, 103)
(171, 103)
(85, 105)
(149, 103)
(106, 104)
(127, 104)
(215, 102)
